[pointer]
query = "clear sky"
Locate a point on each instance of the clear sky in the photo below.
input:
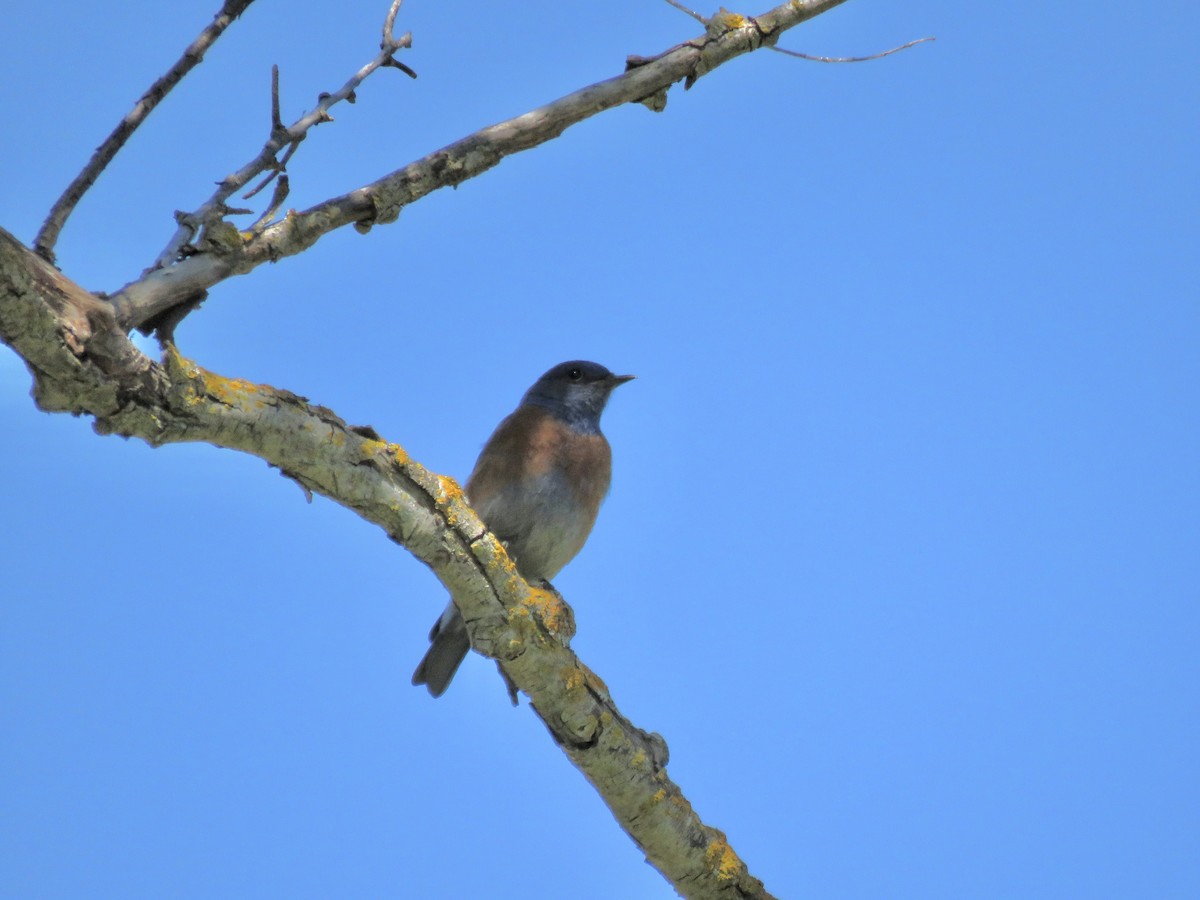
(902, 554)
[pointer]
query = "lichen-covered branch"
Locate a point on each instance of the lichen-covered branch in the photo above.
(77, 349)
(47, 235)
(83, 362)
(646, 80)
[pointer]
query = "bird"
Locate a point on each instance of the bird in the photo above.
(537, 485)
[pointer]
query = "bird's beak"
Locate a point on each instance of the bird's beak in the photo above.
(618, 380)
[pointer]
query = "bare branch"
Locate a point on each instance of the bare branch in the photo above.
(282, 187)
(277, 130)
(47, 236)
(851, 59)
(691, 12)
(84, 363)
(276, 120)
(396, 64)
(389, 26)
(285, 138)
(723, 13)
(646, 80)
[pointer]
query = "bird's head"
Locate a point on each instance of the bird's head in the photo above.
(576, 392)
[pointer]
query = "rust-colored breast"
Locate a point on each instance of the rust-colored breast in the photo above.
(531, 444)
(538, 485)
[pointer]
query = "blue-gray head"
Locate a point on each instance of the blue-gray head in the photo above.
(576, 392)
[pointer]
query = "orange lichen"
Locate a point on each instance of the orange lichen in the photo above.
(380, 447)
(504, 561)
(450, 489)
(450, 497)
(548, 607)
(228, 391)
(721, 859)
(499, 565)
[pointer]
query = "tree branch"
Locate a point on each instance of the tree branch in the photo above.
(725, 14)
(852, 59)
(282, 138)
(83, 362)
(47, 236)
(77, 349)
(646, 80)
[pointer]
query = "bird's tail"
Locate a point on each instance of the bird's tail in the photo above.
(448, 648)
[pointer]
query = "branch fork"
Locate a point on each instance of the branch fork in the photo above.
(285, 140)
(77, 347)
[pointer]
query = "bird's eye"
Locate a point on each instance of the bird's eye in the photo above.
(575, 374)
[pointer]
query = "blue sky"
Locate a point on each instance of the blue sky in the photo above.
(901, 554)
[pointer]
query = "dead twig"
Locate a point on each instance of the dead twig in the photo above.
(691, 12)
(47, 235)
(283, 139)
(850, 59)
(709, 21)
(280, 194)
(646, 80)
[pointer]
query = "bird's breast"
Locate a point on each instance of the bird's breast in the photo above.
(538, 485)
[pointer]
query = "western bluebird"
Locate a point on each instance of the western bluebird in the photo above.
(537, 485)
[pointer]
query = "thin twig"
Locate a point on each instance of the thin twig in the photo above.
(382, 201)
(396, 64)
(691, 12)
(278, 132)
(389, 26)
(47, 236)
(257, 188)
(276, 121)
(285, 138)
(825, 59)
(850, 59)
(280, 194)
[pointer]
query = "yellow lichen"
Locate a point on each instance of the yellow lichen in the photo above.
(574, 680)
(549, 608)
(450, 496)
(449, 488)
(724, 20)
(504, 561)
(721, 859)
(229, 391)
(659, 795)
(373, 447)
